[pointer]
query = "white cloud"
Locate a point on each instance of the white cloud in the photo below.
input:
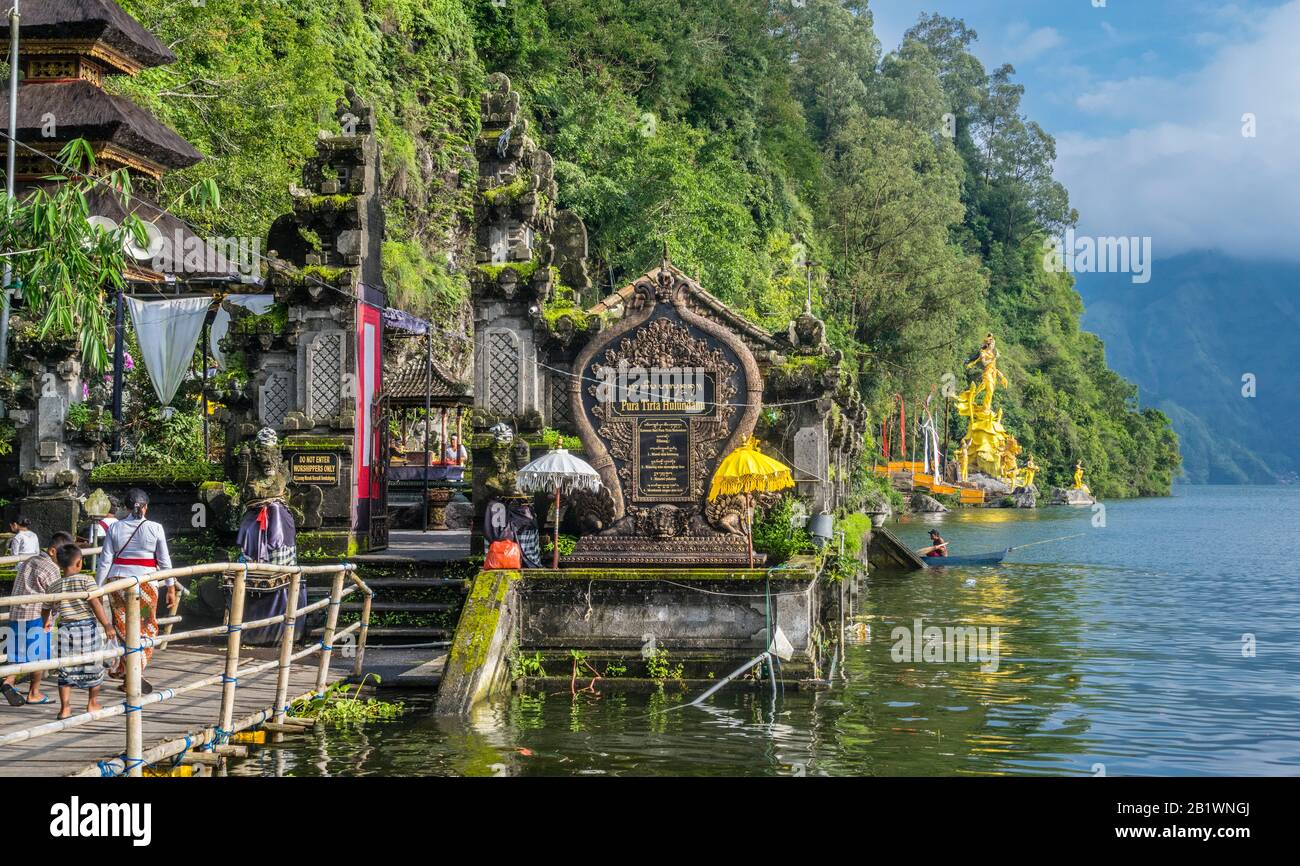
(1023, 44)
(1184, 173)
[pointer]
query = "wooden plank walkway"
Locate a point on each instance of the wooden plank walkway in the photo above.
(69, 752)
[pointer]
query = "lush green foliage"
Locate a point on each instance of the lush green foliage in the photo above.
(256, 80)
(339, 707)
(65, 265)
(776, 534)
(754, 137)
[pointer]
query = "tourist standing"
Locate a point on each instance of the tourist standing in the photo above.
(29, 640)
(24, 542)
(79, 632)
(135, 547)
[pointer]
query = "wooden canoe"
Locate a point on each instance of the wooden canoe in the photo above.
(966, 561)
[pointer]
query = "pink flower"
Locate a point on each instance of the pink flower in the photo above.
(128, 363)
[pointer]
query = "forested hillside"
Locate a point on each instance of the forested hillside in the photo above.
(750, 135)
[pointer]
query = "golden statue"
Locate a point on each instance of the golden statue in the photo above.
(1027, 474)
(1007, 459)
(1078, 476)
(988, 437)
(965, 401)
(964, 456)
(990, 374)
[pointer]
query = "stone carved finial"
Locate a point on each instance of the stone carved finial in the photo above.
(808, 334)
(98, 504)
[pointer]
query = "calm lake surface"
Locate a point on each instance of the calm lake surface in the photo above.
(1120, 651)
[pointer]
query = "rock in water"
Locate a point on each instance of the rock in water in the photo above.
(1070, 496)
(993, 487)
(1025, 497)
(926, 504)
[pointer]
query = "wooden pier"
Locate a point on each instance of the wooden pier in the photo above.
(202, 695)
(79, 750)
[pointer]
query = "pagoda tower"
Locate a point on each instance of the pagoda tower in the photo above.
(67, 48)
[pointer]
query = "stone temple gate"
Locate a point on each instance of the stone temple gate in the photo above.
(543, 349)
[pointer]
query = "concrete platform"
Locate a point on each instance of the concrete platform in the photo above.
(414, 546)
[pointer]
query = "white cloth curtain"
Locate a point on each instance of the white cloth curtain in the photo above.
(257, 304)
(168, 332)
(930, 445)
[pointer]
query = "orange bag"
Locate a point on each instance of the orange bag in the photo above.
(502, 554)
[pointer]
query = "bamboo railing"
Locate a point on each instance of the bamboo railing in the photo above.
(134, 757)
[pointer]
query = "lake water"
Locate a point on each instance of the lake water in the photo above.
(1127, 651)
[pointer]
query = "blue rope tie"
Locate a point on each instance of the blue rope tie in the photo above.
(225, 679)
(326, 647)
(231, 629)
(130, 709)
(129, 650)
(176, 760)
(106, 769)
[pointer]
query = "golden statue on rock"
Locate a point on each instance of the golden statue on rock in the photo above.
(990, 375)
(1028, 472)
(1078, 477)
(964, 456)
(987, 444)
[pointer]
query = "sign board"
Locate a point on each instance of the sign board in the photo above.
(319, 469)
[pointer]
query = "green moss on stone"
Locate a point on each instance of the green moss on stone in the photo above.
(329, 202)
(479, 619)
(510, 192)
(324, 273)
(155, 473)
(314, 443)
(525, 270)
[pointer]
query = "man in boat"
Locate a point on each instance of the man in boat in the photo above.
(938, 546)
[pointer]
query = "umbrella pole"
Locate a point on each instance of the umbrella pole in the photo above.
(749, 536)
(555, 542)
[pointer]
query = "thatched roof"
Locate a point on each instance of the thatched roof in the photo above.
(99, 20)
(85, 111)
(406, 385)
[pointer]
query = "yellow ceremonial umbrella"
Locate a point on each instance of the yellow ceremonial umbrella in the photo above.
(747, 470)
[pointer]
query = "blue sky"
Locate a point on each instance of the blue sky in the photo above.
(1146, 99)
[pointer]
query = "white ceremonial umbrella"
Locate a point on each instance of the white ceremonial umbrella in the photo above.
(558, 472)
